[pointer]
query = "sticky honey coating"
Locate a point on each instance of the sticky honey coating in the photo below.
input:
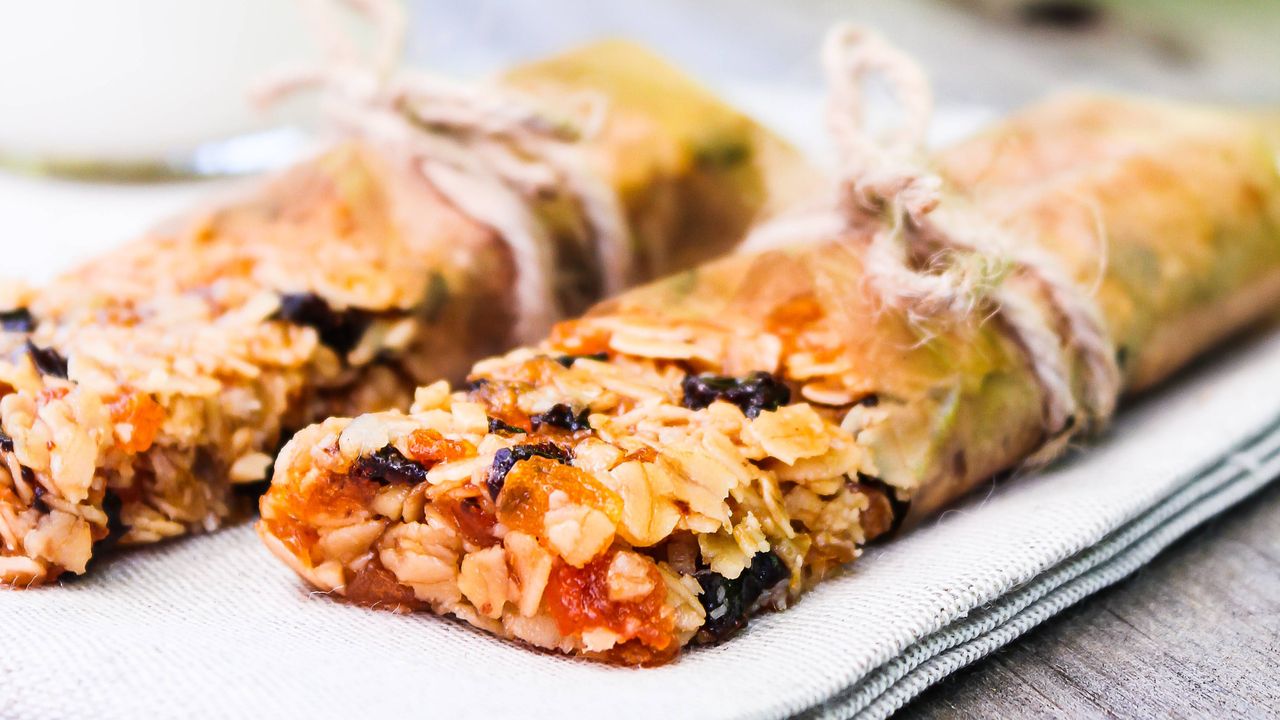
(741, 430)
(145, 392)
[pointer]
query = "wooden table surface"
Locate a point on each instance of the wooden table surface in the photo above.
(1195, 634)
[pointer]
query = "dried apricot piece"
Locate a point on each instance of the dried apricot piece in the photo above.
(581, 599)
(580, 337)
(500, 402)
(429, 447)
(142, 414)
(524, 499)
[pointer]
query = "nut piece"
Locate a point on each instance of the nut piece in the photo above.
(347, 543)
(578, 533)
(485, 582)
(250, 467)
(532, 565)
(790, 433)
(649, 513)
(74, 453)
(423, 556)
(431, 397)
(61, 538)
(628, 577)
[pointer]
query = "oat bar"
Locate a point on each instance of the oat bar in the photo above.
(141, 393)
(708, 446)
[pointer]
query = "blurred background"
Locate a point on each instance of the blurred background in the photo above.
(996, 52)
(132, 81)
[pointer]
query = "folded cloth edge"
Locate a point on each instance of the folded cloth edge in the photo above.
(1212, 489)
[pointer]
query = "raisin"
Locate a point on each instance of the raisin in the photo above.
(1122, 357)
(752, 394)
(567, 360)
(897, 508)
(37, 492)
(47, 360)
(729, 602)
(1063, 14)
(388, 466)
(561, 416)
(112, 505)
(17, 320)
(373, 585)
(506, 458)
(503, 428)
(339, 330)
(6, 443)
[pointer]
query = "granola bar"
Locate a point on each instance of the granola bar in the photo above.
(143, 392)
(708, 446)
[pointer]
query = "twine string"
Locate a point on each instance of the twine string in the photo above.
(937, 260)
(492, 152)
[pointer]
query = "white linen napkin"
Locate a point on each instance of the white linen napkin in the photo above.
(212, 627)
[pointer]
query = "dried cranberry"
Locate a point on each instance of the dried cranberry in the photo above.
(506, 458)
(388, 466)
(567, 360)
(503, 428)
(47, 360)
(728, 603)
(752, 394)
(339, 330)
(562, 416)
(17, 320)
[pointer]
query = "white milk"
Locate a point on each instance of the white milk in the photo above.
(136, 81)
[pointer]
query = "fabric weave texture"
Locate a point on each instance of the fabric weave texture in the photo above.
(212, 627)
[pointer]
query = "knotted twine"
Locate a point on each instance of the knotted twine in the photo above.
(491, 152)
(888, 199)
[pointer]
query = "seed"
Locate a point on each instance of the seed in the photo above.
(752, 394)
(388, 466)
(506, 458)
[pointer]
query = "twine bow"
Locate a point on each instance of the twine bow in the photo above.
(949, 267)
(491, 151)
